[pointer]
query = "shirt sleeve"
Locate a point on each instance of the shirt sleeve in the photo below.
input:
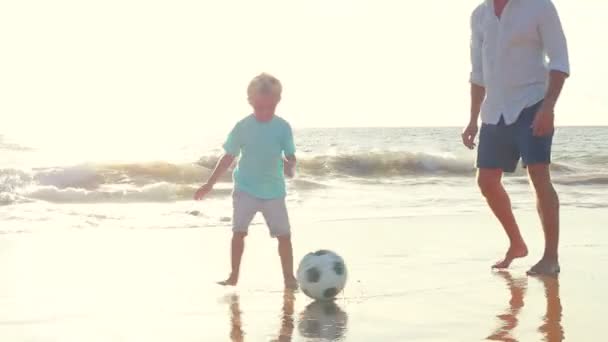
(476, 76)
(554, 39)
(233, 144)
(287, 144)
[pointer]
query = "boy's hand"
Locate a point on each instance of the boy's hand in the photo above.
(203, 191)
(289, 166)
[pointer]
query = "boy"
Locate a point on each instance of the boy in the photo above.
(265, 144)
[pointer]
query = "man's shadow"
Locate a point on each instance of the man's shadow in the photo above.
(550, 328)
(318, 320)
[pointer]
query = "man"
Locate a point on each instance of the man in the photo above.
(515, 90)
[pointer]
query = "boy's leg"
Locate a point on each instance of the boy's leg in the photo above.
(277, 219)
(498, 153)
(237, 246)
(286, 255)
(244, 209)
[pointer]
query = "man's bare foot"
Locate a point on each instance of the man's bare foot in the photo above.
(544, 267)
(231, 281)
(514, 252)
(291, 284)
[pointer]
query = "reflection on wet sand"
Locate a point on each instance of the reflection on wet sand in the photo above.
(236, 324)
(319, 320)
(550, 327)
(509, 319)
(287, 321)
(323, 320)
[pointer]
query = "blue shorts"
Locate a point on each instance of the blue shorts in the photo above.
(501, 146)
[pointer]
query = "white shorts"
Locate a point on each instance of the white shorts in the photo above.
(245, 207)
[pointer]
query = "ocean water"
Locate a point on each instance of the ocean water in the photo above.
(343, 173)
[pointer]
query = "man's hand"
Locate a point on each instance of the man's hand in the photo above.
(203, 191)
(543, 122)
(469, 134)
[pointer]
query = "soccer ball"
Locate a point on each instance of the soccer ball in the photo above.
(322, 275)
(323, 320)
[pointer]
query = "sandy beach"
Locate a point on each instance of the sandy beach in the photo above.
(116, 113)
(411, 279)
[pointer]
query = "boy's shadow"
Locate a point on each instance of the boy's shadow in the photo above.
(318, 320)
(551, 327)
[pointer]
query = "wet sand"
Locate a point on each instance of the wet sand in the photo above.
(410, 279)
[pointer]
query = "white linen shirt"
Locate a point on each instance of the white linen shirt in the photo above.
(509, 55)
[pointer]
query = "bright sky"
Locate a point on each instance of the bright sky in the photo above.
(120, 67)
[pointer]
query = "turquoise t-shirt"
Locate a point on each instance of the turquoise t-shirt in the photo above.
(261, 146)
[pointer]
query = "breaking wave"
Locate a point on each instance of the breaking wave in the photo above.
(164, 181)
(375, 164)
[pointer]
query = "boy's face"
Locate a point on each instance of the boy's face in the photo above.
(264, 101)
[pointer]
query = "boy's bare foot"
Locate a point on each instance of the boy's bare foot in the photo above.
(514, 252)
(231, 281)
(291, 284)
(548, 267)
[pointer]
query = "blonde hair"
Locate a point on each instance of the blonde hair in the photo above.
(264, 84)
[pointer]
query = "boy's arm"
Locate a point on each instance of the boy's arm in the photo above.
(289, 165)
(222, 165)
(289, 149)
(232, 148)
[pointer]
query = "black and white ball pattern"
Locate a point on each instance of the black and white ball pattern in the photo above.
(322, 275)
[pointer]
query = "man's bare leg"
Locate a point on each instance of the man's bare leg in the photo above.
(236, 252)
(286, 254)
(548, 210)
(489, 181)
